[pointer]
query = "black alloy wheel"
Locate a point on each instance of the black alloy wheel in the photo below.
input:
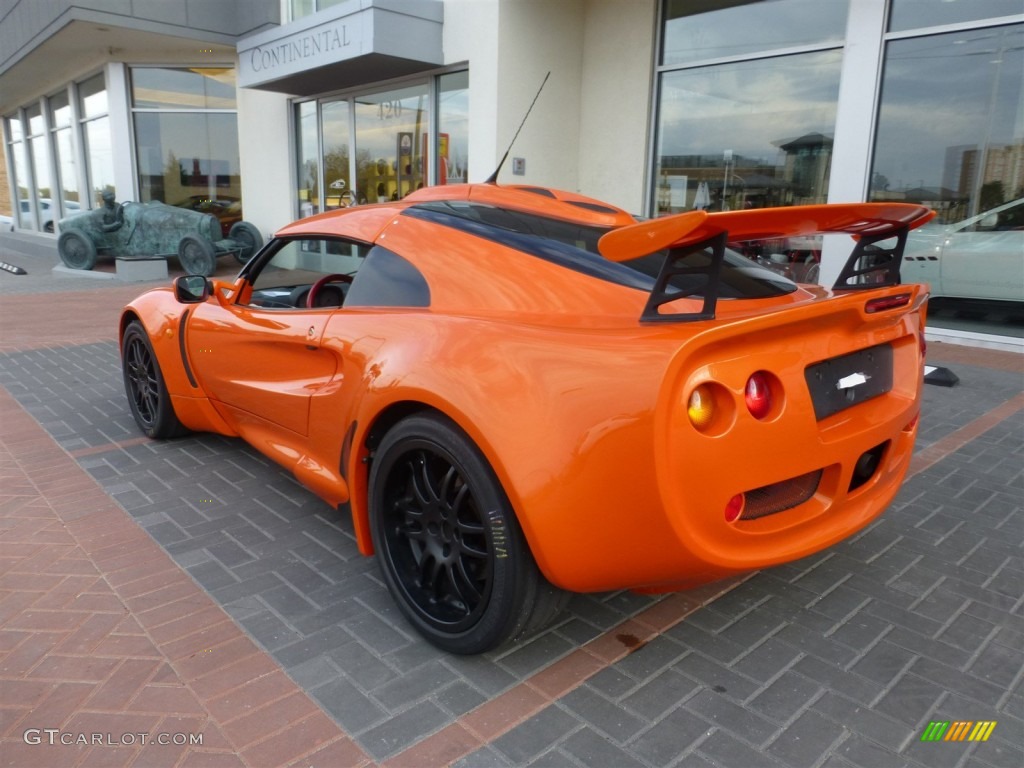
(450, 548)
(144, 385)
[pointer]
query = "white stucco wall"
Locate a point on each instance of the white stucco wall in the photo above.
(266, 158)
(588, 131)
(615, 104)
(535, 37)
(471, 35)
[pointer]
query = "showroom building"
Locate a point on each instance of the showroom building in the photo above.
(275, 109)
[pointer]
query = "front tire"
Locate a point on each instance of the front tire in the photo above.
(450, 548)
(144, 385)
(76, 250)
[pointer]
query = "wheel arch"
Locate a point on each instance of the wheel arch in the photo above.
(127, 317)
(367, 440)
(163, 319)
(538, 411)
(162, 331)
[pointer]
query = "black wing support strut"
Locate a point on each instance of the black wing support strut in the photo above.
(678, 280)
(870, 266)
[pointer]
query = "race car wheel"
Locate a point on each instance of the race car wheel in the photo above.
(450, 547)
(76, 250)
(144, 384)
(197, 255)
(247, 237)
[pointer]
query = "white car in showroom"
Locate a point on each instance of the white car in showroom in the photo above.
(978, 258)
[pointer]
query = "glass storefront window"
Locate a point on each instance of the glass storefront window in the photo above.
(67, 175)
(16, 139)
(38, 203)
(452, 150)
(950, 132)
(391, 128)
(385, 139)
(338, 189)
(100, 158)
(743, 27)
(301, 8)
(747, 134)
(190, 160)
(186, 139)
(92, 97)
(917, 14)
(308, 158)
(950, 135)
(198, 88)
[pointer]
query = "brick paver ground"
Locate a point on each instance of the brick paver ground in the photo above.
(191, 587)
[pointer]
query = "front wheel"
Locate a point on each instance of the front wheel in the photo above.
(144, 385)
(76, 250)
(449, 545)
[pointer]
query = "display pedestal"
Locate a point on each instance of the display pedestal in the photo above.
(140, 270)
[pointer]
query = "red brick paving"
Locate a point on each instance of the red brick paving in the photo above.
(31, 321)
(103, 637)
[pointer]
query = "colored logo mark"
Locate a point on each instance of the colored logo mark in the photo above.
(958, 730)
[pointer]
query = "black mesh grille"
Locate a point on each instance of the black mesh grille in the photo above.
(779, 497)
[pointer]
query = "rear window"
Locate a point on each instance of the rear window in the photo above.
(574, 246)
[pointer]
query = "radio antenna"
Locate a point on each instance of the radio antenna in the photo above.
(493, 179)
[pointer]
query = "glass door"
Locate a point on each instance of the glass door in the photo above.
(391, 142)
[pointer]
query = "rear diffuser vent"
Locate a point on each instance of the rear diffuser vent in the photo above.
(778, 497)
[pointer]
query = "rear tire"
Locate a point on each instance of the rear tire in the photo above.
(197, 255)
(148, 397)
(248, 239)
(450, 548)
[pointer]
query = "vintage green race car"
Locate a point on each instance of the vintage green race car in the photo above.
(153, 229)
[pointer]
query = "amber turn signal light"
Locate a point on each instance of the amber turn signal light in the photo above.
(701, 407)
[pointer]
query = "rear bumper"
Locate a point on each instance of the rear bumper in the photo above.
(862, 452)
(645, 509)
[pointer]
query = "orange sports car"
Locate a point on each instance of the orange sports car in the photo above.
(521, 392)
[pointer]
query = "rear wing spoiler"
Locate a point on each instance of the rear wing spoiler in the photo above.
(868, 266)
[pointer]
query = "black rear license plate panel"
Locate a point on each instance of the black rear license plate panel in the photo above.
(846, 381)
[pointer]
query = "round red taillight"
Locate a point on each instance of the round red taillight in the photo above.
(734, 508)
(758, 395)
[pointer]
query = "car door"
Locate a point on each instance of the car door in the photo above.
(261, 354)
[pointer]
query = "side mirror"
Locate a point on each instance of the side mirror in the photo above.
(191, 289)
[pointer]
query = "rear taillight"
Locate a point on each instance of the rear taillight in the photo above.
(884, 303)
(758, 395)
(734, 508)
